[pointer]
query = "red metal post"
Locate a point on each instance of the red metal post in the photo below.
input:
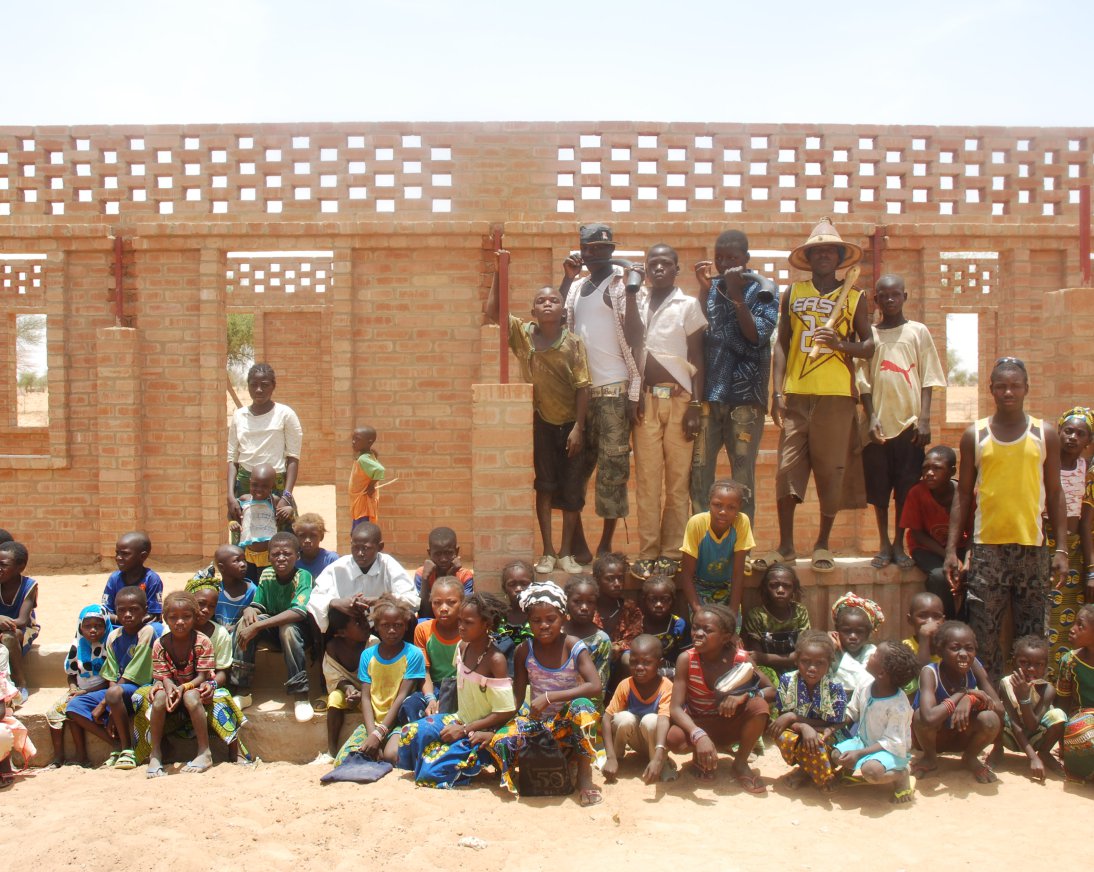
(875, 252)
(119, 269)
(1084, 234)
(503, 306)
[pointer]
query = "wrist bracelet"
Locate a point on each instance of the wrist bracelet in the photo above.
(1027, 701)
(659, 748)
(1062, 551)
(547, 697)
(429, 697)
(697, 734)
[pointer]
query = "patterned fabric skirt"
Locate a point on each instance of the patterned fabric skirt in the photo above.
(1064, 604)
(576, 728)
(434, 763)
(1078, 745)
(815, 763)
(223, 716)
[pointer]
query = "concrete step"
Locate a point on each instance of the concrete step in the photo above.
(271, 732)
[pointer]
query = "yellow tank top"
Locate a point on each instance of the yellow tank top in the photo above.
(831, 373)
(1010, 486)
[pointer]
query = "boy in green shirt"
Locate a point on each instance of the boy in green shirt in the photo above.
(278, 614)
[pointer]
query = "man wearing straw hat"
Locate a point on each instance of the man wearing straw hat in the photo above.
(815, 394)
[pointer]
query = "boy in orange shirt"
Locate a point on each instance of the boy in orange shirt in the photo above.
(367, 470)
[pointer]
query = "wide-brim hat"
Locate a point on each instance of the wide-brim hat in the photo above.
(592, 234)
(825, 234)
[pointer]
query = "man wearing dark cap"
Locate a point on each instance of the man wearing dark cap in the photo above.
(602, 310)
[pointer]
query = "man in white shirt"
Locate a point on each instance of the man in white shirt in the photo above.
(353, 583)
(601, 310)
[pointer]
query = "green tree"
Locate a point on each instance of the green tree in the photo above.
(241, 344)
(956, 374)
(30, 336)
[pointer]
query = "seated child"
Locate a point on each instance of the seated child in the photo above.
(619, 617)
(84, 662)
(880, 750)
(926, 614)
(1075, 692)
(926, 516)
(771, 630)
(658, 596)
(310, 529)
(702, 719)
(557, 673)
(347, 638)
(13, 735)
(582, 593)
(236, 590)
(638, 715)
(716, 543)
(445, 750)
(130, 553)
(128, 667)
(391, 669)
(1031, 723)
(443, 561)
(367, 471)
(18, 622)
(258, 519)
(856, 619)
(278, 614)
(956, 708)
(809, 710)
(183, 680)
(438, 638)
(515, 578)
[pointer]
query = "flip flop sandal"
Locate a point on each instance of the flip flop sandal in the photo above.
(127, 759)
(761, 564)
(319, 705)
(591, 796)
(750, 783)
(109, 762)
(905, 795)
(822, 556)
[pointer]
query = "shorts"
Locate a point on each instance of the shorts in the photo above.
(885, 758)
(723, 731)
(892, 467)
(816, 437)
(358, 521)
(85, 704)
(608, 451)
(334, 674)
(1050, 718)
(556, 473)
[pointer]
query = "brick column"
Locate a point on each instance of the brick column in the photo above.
(213, 320)
(1069, 320)
(119, 438)
(502, 503)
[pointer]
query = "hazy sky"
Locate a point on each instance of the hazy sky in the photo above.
(1009, 62)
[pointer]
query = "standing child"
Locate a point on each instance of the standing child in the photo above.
(702, 718)
(278, 614)
(310, 528)
(880, 750)
(771, 630)
(236, 590)
(128, 667)
(446, 750)
(895, 385)
(956, 707)
(926, 517)
(1031, 722)
(716, 544)
(443, 561)
(367, 471)
(639, 715)
(516, 576)
(925, 615)
(1011, 461)
(18, 622)
(672, 365)
(616, 615)
(558, 675)
(130, 553)
(1075, 428)
(855, 619)
(84, 662)
(553, 360)
(258, 522)
(658, 596)
(1075, 690)
(582, 594)
(438, 638)
(809, 710)
(347, 638)
(388, 672)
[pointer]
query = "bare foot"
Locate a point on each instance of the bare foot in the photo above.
(797, 778)
(901, 559)
(982, 772)
(882, 559)
(201, 763)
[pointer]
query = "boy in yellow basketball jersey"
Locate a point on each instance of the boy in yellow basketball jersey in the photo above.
(814, 399)
(1013, 461)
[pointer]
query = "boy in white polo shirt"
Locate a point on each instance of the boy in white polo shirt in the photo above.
(671, 362)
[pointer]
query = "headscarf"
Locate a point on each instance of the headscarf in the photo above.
(853, 601)
(85, 656)
(204, 579)
(1082, 413)
(543, 593)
